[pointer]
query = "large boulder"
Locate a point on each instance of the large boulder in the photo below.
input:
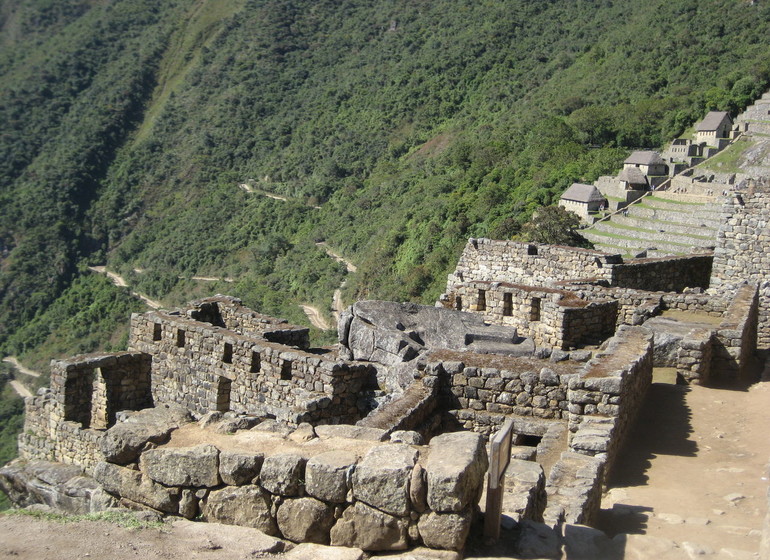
(124, 441)
(392, 333)
(247, 506)
(183, 466)
(61, 487)
(305, 520)
(131, 484)
(455, 471)
(382, 477)
(370, 529)
(328, 475)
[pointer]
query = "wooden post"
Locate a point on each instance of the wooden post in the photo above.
(499, 458)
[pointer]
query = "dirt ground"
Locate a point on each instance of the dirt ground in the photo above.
(27, 538)
(696, 469)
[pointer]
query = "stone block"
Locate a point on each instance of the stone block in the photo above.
(382, 477)
(183, 466)
(305, 520)
(455, 471)
(130, 484)
(283, 474)
(238, 468)
(445, 530)
(350, 432)
(328, 475)
(123, 442)
(367, 528)
(247, 506)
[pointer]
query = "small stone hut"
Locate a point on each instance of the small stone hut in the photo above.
(582, 199)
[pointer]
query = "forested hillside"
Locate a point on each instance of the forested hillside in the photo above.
(393, 129)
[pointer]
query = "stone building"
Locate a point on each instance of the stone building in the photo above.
(583, 200)
(715, 126)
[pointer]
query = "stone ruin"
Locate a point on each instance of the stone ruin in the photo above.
(220, 413)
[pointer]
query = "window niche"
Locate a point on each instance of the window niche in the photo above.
(286, 370)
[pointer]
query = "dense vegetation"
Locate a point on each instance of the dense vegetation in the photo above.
(394, 129)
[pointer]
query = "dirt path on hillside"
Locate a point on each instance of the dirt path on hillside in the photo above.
(20, 389)
(315, 317)
(19, 367)
(249, 189)
(119, 281)
(339, 258)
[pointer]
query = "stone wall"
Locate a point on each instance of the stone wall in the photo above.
(230, 313)
(736, 336)
(665, 274)
(204, 367)
(480, 397)
(364, 493)
(528, 263)
(742, 252)
(605, 398)
(551, 317)
(65, 423)
(509, 262)
(695, 355)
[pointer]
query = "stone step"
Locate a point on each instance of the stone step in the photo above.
(652, 236)
(636, 245)
(671, 204)
(643, 211)
(710, 212)
(671, 227)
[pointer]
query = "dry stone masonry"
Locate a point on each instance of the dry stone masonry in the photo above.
(216, 411)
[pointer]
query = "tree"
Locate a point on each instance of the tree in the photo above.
(553, 225)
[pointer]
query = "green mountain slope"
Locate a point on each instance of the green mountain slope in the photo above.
(393, 129)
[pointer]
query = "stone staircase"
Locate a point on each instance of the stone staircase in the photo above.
(659, 226)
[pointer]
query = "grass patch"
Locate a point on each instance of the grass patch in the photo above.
(652, 231)
(123, 519)
(671, 201)
(728, 160)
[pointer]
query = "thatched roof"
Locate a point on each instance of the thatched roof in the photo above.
(580, 192)
(633, 176)
(712, 121)
(645, 157)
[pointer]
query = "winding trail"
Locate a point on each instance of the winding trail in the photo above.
(118, 280)
(314, 314)
(19, 367)
(249, 189)
(339, 258)
(20, 389)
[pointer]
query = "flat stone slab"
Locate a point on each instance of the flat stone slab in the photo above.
(350, 432)
(309, 551)
(239, 541)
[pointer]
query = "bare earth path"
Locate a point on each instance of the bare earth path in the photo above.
(26, 538)
(119, 281)
(19, 367)
(315, 317)
(696, 472)
(313, 313)
(20, 389)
